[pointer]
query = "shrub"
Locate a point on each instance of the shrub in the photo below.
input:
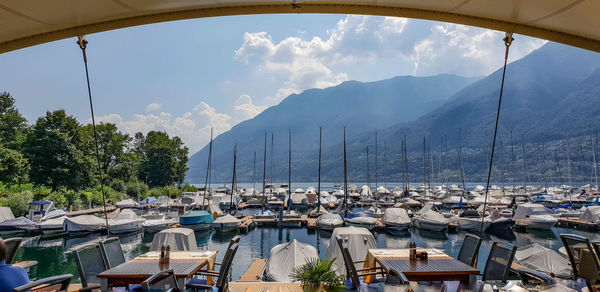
(17, 202)
(317, 272)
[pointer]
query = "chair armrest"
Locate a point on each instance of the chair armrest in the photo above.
(525, 274)
(358, 262)
(370, 269)
(198, 286)
(25, 264)
(208, 273)
(372, 274)
(44, 281)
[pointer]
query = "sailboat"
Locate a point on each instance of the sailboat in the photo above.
(285, 257)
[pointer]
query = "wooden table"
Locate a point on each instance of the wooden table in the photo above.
(438, 267)
(185, 265)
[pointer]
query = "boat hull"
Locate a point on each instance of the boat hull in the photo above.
(473, 224)
(225, 227)
(430, 225)
(397, 226)
(369, 226)
(127, 227)
(197, 226)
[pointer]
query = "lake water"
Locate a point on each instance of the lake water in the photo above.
(54, 258)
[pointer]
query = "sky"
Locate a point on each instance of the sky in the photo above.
(185, 77)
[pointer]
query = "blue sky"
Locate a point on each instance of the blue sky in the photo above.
(187, 76)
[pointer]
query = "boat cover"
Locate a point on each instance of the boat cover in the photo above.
(54, 223)
(330, 219)
(180, 239)
(227, 219)
(285, 257)
(148, 200)
(321, 210)
(359, 241)
(214, 208)
(125, 214)
(298, 198)
(434, 216)
(396, 216)
(591, 214)
(6, 213)
(128, 203)
(543, 259)
(559, 287)
(428, 207)
(528, 209)
(412, 202)
(84, 223)
(196, 217)
(16, 223)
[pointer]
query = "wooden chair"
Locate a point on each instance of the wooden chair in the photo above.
(112, 252)
(12, 245)
(90, 262)
(352, 273)
(222, 276)
(235, 239)
(47, 284)
(163, 281)
(469, 250)
(583, 258)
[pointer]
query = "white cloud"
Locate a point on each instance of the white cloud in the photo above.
(192, 127)
(153, 107)
(417, 47)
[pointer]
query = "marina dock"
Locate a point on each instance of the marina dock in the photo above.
(577, 224)
(98, 210)
(254, 271)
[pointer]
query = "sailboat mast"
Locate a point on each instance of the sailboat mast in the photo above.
(376, 162)
(384, 161)
(568, 164)
(207, 168)
(272, 158)
(524, 160)
(289, 201)
(345, 178)
(460, 162)
(368, 172)
(545, 165)
(264, 191)
(319, 176)
(594, 160)
(562, 182)
(254, 175)
(512, 155)
(233, 177)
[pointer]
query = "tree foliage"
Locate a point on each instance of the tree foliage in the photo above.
(163, 159)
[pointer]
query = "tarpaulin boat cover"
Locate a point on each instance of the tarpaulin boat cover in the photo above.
(434, 216)
(54, 223)
(196, 217)
(359, 240)
(528, 209)
(543, 259)
(84, 223)
(559, 287)
(6, 213)
(180, 239)
(298, 198)
(412, 202)
(428, 206)
(591, 214)
(396, 216)
(330, 219)
(227, 219)
(148, 200)
(128, 203)
(320, 210)
(16, 223)
(285, 257)
(125, 214)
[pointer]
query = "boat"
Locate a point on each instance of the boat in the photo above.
(156, 225)
(361, 219)
(430, 220)
(285, 257)
(39, 211)
(534, 216)
(226, 223)
(472, 220)
(196, 220)
(83, 224)
(52, 226)
(375, 212)
(125, 221)
(544, 260)
(359, 241)
(590, 214)
(179, 239)
(264, 214)
(396, 219)
(329, 221)
(127, 204)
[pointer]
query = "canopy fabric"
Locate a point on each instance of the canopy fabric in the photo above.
(359, 241)
(6, 214)
(591, 214)
(16, 223)
(528, 209)
(544, 260)
(128, 203)
(396, 215)
(285, 257)
(180, 239)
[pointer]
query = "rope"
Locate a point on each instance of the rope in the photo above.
(82, 42)
(507, 42)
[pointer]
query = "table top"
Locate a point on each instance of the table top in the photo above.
(183, 264)
(438, 262)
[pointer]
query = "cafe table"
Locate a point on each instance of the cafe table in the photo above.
(438, 267)
(185, 265)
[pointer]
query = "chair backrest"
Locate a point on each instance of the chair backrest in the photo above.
(90, 263)
(581, 254)
(223, 280)
(351, 272)
(112, 252)
(163, 280)
(469, 250)
(12, 245)
(395, 278)
(596, 246)
(47, 284)
(499, 262)
(235, 239)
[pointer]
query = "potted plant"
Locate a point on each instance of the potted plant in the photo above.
(317, 275)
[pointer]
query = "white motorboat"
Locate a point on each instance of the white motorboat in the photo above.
(39, 211)
(473, 223)
(125, 221)
(534, 216)
(361, 220)
(226, 223)
(375, 212)
(430, 220)
(285, 257)
(84, 224)
(396, 219)
(156, 225)
(329, 221)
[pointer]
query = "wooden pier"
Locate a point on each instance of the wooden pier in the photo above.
(254, 272)
(246, 224)
(577, 224)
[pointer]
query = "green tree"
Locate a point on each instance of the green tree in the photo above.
(112, 145)
(56, 153)
(13, 126)
(163, 160)
(14, 167)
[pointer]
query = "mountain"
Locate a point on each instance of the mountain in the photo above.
(359, 106)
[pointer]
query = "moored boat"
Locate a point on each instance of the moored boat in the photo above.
(196, 220)
(396, 219)
(329, 221)
(285, 257)
(361, 219)
(226, 223)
